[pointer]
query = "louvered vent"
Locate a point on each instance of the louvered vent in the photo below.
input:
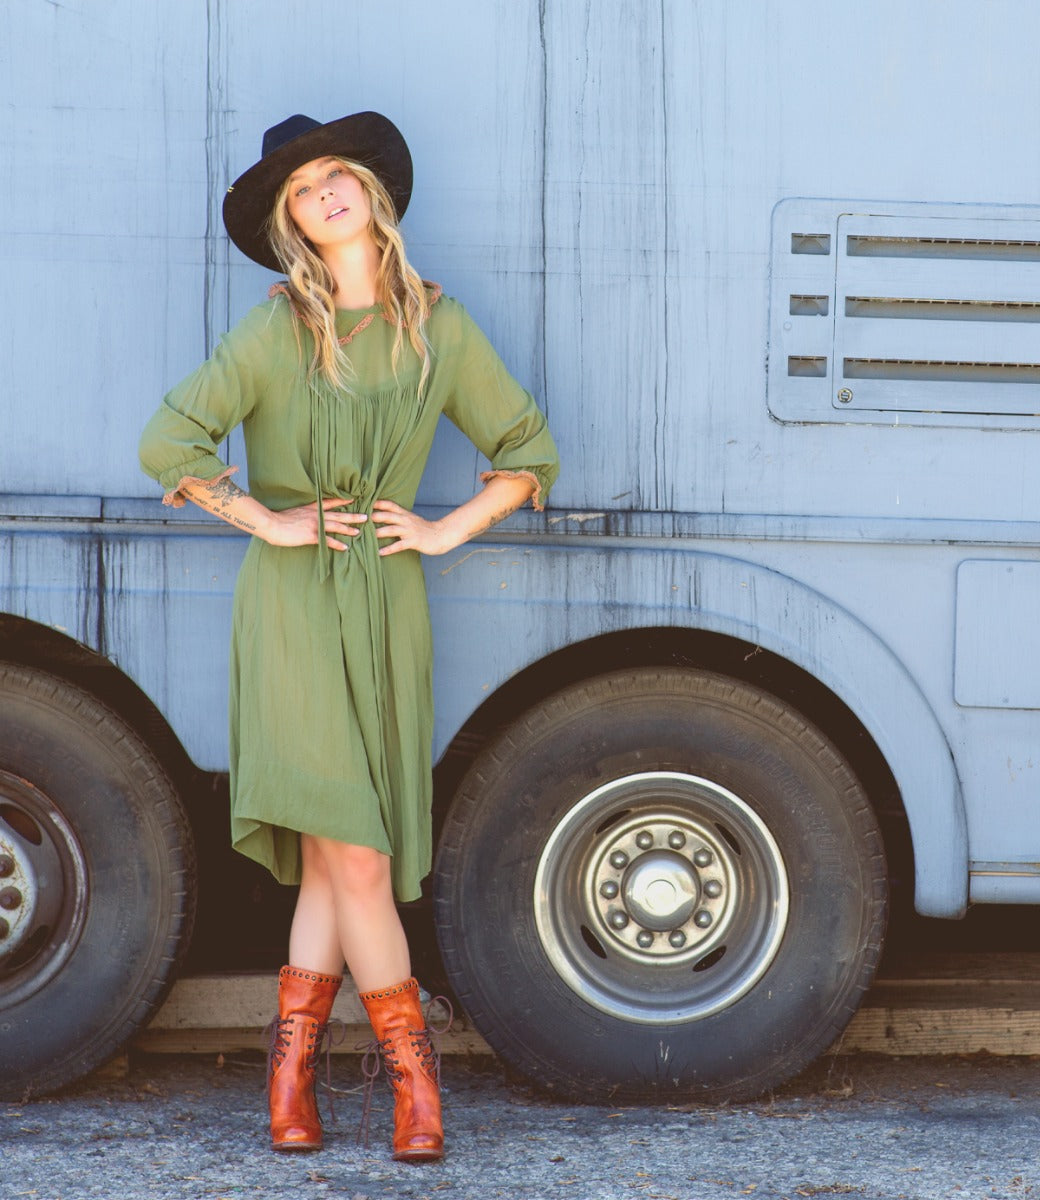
(904, 313)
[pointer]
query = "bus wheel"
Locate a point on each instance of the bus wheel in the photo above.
(660, 883)
(96, 882)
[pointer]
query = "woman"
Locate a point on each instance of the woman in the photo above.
(338, 382)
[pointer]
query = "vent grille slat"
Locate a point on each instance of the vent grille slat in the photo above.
(810, 306)
(810, 243)
(908, 308)
(812, 366)
(929, 371)
(884, 246)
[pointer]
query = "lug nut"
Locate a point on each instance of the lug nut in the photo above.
(6, 866)
(644, 939)
(619, 859)
(704, 858)
(617, 919)
(644, 839)
(677, 939)
(677, 839)
(713, 889)
(703, 919)
(608, 889)
(10, 898)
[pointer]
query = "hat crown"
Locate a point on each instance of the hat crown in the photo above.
(285, 131)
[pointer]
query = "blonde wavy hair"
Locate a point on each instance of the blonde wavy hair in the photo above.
(399, 287)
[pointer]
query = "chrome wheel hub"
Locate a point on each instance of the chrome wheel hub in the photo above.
(662, 888)
(43, 889)
(661, 897)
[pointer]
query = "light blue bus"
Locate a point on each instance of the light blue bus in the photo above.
(772, 268)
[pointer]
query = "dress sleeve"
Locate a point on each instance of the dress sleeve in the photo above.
(499, 417)
(179, 444)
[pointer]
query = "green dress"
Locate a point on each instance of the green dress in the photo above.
(331, 708)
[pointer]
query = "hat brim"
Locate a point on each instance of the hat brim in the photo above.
(368, 138)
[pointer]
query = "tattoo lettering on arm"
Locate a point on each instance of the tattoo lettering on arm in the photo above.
(218, 498)
(226, 493)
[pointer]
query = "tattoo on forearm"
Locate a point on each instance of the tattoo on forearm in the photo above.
(499, 516)
(218, 498)
(223, 492)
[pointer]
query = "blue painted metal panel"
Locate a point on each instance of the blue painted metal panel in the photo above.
(997, 657)
(157, 605)
(103, 128)
(167, 624)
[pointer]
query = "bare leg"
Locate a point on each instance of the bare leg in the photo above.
(346, 910)
(314, 942)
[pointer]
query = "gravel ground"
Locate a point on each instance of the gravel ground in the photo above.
(878, 1129)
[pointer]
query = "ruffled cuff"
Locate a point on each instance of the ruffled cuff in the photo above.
(536, 498)
(196, 472)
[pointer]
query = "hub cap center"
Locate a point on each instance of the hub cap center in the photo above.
(661, 890)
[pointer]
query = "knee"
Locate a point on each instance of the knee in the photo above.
(357, 870)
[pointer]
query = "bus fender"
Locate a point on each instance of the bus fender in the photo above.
(498, 609)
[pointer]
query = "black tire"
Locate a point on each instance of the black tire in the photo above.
(97, 882)
(753, 872)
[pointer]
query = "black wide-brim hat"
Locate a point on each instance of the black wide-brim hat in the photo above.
(368, 138)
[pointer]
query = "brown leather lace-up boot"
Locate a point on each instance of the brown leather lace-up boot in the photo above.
(411, 1066)
(304, 1004)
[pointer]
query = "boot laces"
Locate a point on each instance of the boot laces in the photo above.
(277, 1033)
(319, 1037)
(385, 1052)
